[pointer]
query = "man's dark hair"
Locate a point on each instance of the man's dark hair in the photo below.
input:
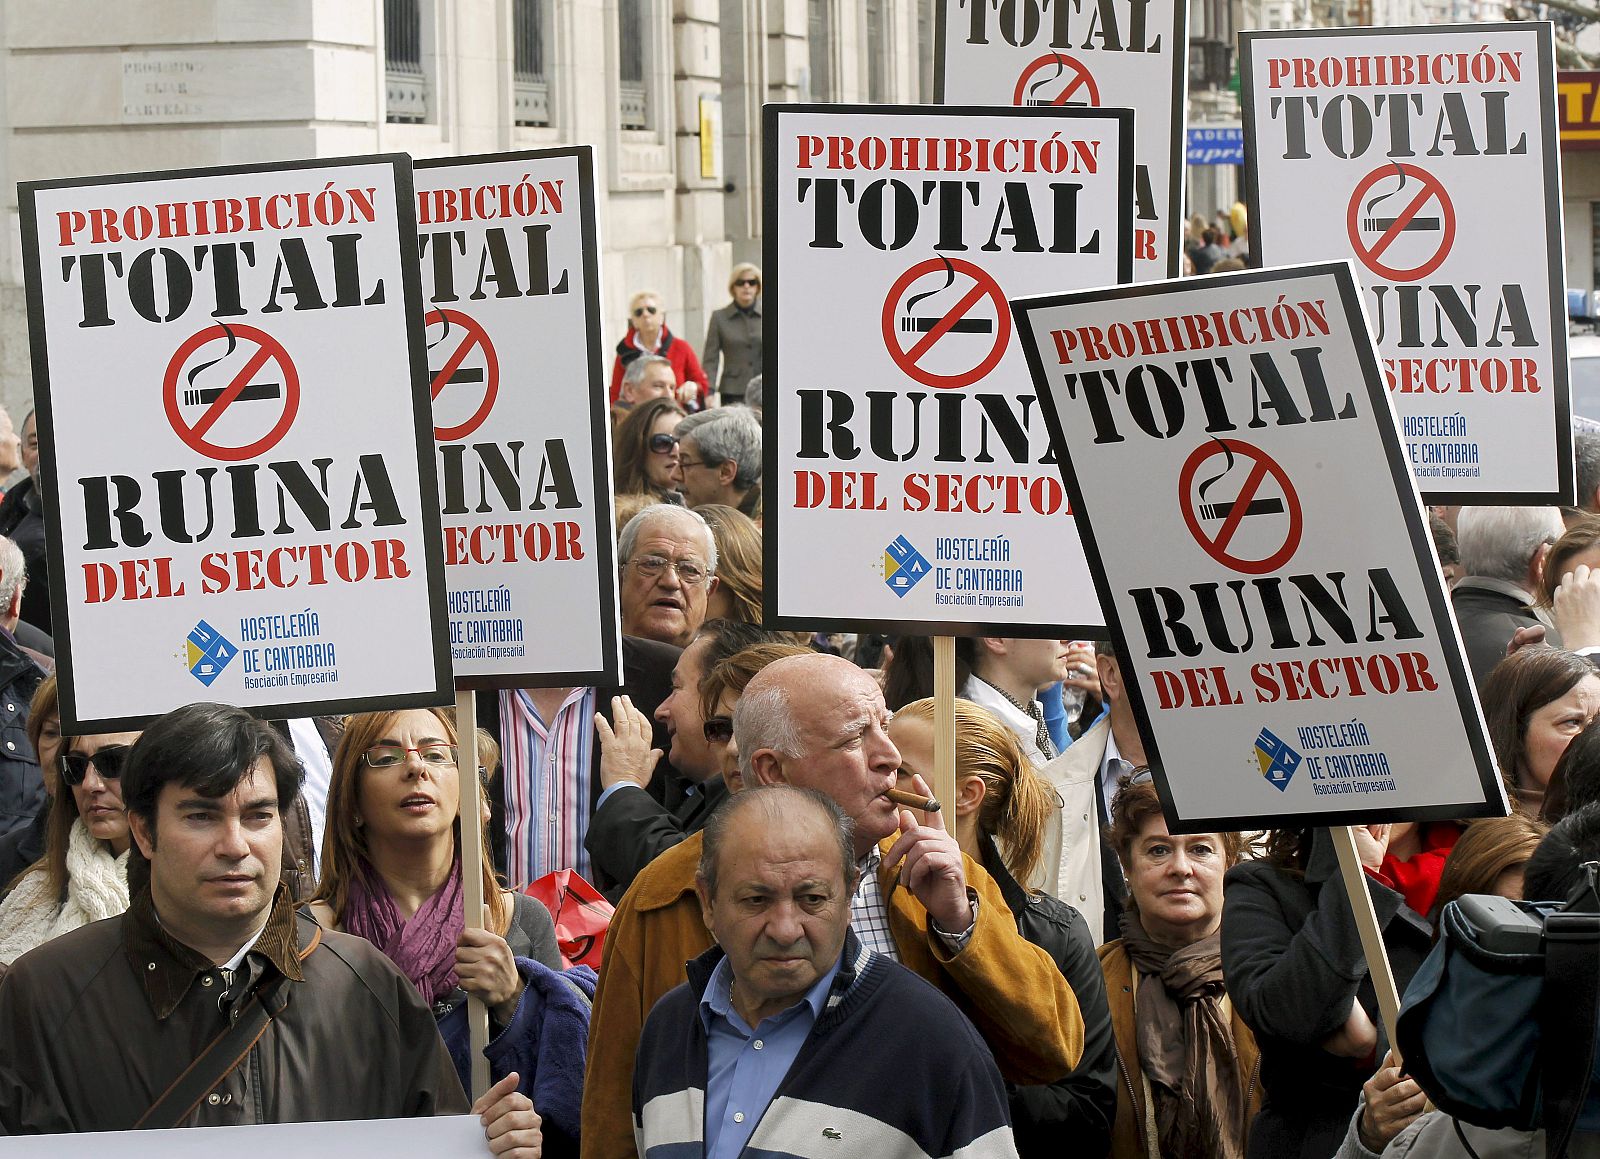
(209, 748)
(779, 803)
(1557, 864)
(730, 637)
(1444, 541)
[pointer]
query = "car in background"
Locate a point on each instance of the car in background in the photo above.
(1583, 357)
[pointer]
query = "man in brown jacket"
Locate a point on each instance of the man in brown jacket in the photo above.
(817, 722)
(101, 1023)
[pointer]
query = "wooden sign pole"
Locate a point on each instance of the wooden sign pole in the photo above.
(1355, 885)
(944, 727)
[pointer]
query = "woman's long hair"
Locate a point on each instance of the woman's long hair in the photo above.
(909, 674)
(344, 843)
(1484, 851)
(738, 542)
(1520, 685)
(1017, 802)
(632, 449)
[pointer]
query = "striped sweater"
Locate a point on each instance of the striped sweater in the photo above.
(891, 1070)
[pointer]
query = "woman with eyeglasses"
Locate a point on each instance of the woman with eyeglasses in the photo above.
(999, 816)
(644, 457)
(391, 873)
(648, 334)
(83, 875)
(735, 334)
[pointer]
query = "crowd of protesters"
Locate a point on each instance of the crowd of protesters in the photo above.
(797, 958)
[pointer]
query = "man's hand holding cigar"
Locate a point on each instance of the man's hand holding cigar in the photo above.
(930, 867)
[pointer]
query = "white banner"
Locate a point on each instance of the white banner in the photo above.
(1428, 155)
(510, 260)
(237, 455)
(910, 481)
(1125, 54)
(1261, 552)
(443, 1137)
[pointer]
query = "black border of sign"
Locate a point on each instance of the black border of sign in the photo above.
(1554, 244)
(604, 547)
(399, 165)
(1180, 108)
(769, 358)
(1416, 527)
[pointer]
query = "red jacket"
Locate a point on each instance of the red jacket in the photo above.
(685, 362)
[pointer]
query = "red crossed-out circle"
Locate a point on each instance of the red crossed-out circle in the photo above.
(475, 337)
(1074, 76)
(908, 358)
(1411, 200)
(1216, 544)
(266, 349)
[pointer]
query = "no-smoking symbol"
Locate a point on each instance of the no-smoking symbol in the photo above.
(946, 323)
(1240, 506)
(1401, 222)
(231, 392)
(466, 377)
(1056, 79)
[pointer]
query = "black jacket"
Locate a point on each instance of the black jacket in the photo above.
(21, 847)
(1489, 612)
(22, 793)
(1081, 1107)
(22, 520)
(1292, 956)
(646, 678)
(631, 829)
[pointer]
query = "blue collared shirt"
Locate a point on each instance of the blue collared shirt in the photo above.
(745, 1066)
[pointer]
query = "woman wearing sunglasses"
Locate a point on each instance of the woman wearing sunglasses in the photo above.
(83, 875)
(648, 334)
(644, 457)
(733, 337)
(391, 873)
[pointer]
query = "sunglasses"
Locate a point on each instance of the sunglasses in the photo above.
(641, 311)
(108, 762)
(746, 282)
(663, 444)
(718, 729)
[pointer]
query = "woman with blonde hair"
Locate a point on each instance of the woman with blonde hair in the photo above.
(738, 539)
(83, 875)
(999, 816)
(391, 873)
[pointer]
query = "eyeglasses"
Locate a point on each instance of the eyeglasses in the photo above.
(663, 444)
(718, 729)
(108, 763)
(641, 311)
(386, 756)
(746, 282)
(687, 463)
(690, 574)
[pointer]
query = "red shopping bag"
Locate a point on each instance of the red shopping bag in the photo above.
(581, 916)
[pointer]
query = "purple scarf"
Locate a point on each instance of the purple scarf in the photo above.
(423, 946)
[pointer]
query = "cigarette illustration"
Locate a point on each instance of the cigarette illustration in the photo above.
(911, 324)
(253, 391)
(1254, 507)
(1383, 224)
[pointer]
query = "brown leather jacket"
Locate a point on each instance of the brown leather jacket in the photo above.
(298, 858)
(1128, 1132)
(99, 1021)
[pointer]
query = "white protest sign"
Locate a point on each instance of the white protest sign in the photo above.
(237, 455)
(1261, 552)
(510, 271)
(1428, 155)
(910, 481)
(1128, 54)
(441, 1137)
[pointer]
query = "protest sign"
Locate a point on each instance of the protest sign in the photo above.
(510, 270)
(236, 449)
(910, 483)
(1053, 54)
(1428, 155)
(1260, 551)
(442, 1137)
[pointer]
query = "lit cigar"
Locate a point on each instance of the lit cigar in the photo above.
(912, 801)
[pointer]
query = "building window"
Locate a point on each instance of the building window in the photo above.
(819, 39)
(405, 86)
(875, 62)
(530, 96)
(633, 97)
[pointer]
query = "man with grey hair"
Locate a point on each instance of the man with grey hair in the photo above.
(787, 1015)
(668, 562)
(720, 458)
(647, 376)
(22, 793)
(1502, 557)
